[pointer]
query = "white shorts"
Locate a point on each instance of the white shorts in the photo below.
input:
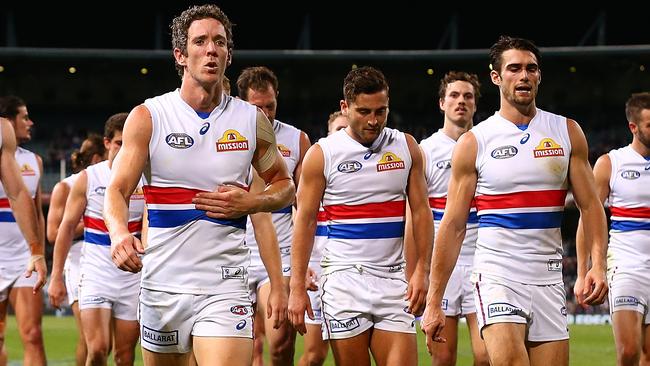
(629, 291)
(121, 298)
(459, 294)
(354, 301)
(541, 307)
(13, 276)
(257, 277)
(71, 273)
(168, 321)
(314, 298)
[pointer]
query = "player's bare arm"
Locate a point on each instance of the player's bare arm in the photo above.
(126, 172)
(310, 192)
(451, 233)
(422, 226)
(74, 209)
(592, 216)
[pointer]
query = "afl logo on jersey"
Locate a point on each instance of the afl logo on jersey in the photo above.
(547, 147)
(443, 164)
(630, 174)
(389, 161)
(349, 166)
(179, 140)
(504, 152)
(232, 140)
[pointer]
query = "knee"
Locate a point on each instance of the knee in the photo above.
(315, 357)
(124, 356)
(627, 354)
(32, 336)
(97, 352)
(481, 358)
(282, 348)
(443, 357)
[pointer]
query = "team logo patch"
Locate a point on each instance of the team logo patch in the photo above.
(160, 338)
(284, 151)
(502, 309)
(349, 166)
(179, 140)
(554, 265)
(343, 325)
(504, 152)
(625, 301)
(285, 250)
(228, 272)
(232, 140)
(547, 147)
(27, 171)
(239, 310)
(443, 164)
(630, 174)
(389, 161)
(563, 310)
(445, 304)
(100, 190)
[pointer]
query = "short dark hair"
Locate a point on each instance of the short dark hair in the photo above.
(505, 43)
(637, 103)
(113, 124)
(258, 78)
(181, 24)
(363, 80)
(453, 76)
(9, 106)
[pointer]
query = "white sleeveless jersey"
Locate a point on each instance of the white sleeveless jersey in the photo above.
(96, 263)
(520, 194)
(288, 140)
(14, 249)
(365, 201)
(629, 203)
(75, 249)
(437, 150)
(188, 252)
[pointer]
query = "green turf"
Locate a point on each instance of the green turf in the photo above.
(590, 344)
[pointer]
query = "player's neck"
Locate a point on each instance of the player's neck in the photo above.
(518, 114)
(640, 148)
(201, 98)
(454, 131)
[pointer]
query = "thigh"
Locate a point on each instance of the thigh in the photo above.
(28, 307)
(223, 351)
(150, 358)
(478, 346)
(352, 351)
(96, 324)
(549, 353)
(506, 343)
(627, 326)
(127, 333)
(394, 348)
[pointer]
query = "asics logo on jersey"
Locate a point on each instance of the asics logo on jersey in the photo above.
(179, 140)
(630, 174)
(504, 152)
(204, 129)
(349, 166)
(443, 164)
(524, 139)
(343, 325)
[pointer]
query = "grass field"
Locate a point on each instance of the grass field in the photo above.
(590, 344)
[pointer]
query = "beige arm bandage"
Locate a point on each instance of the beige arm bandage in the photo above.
(265, 133)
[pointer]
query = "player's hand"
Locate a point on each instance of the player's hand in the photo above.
(37, 263)
(56, 291)
(311, 280)
(595, 287)
(433, 320)
(299, 304)
(276, 308)
(226, 202)
(416, 293)
(126, 251)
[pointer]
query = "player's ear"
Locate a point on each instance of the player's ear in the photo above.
(495, 77)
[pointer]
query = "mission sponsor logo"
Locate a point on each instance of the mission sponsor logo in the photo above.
(160, 338)
(343, 325)
(547, 148)
(504, 152)
(625, 301)
(630, 174)
(179, 140)
(232, 140)
(137, 195)
(284, 151)
(389, 161)
(26, 170)
(349, 166)
(502, 309)
(229, 272)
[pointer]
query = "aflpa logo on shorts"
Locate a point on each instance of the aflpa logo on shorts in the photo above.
(179, 140)
(630, 174)
(349, 166)
(502, 309)
(625, 300)
(504, 152)
(343, 325)
(159, 338)
(228, 272)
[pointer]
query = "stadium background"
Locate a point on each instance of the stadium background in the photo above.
(592, 61)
